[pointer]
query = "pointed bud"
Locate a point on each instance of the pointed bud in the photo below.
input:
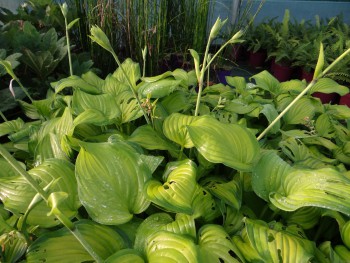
(64, 9)
(216, 28)
(236, 38)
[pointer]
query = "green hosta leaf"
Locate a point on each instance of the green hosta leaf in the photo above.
(343, 252)
(345, 234)
(176, 194)
(76, 83)
(233, 220)
(290, 189)
(182, 225)
(188, 79)
(175, 129)
(61, 246)
(152, 162)
(52, 131)
(301, 110)
(340, 112)
(113, 86)
(324, 126)
(91, 78)
(29, 110)
(339, 254)
(306, 217)
(158, 77)
(259, 243)
(150, 139)
(169, 247)
(6, 169)
(49, 147)
(158, 89)
(229, 193)
(126, 256)
(176, 102)
(130, 110)
(267, 82)
(240, 106)
(204, 205)
(111, 178)
(327, 85)
(239, 83)
(293, 86)
(41, 62)
(324, 187)
(271, 114)
(13, 246)
(268, 175)
(104, 103)
(8, 67)
(91, 116)
(215, 245)
(230, 144)
(17, 194)
(9, 127)
(132, 70)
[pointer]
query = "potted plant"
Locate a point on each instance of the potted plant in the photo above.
(282, 54)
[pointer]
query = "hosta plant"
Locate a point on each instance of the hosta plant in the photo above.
(146, 169)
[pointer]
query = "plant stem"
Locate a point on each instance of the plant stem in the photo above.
(23, 88)
(201, 77)
(311, 84)
(68, 47)
(45, 196)
(131, 86)
(3, 116)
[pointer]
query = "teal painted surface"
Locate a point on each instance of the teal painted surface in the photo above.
(10, 4)
(305, 9)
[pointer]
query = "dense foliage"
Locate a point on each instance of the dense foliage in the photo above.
(129, 168)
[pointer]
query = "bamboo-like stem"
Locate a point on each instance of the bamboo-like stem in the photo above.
(45, 196)
(311, 84)
(68, 47)
(3, 116)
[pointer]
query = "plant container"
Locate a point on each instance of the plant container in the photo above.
(281, 71)
(345, 100)
(257, 59)
(308, 76)
(238, 53)
(327, 98)
(221, 75)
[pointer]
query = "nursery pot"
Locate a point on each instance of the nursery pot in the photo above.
(345, 100)
(282, 72)
(308, 76)
(238, 53)
(257, 59)
(327, 98)
(221, 75)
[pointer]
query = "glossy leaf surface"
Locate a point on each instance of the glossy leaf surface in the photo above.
(230, 144)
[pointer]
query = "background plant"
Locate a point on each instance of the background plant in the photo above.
(189, 187)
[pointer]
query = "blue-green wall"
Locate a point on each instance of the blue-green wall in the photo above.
(305, 9)
(299, 9)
